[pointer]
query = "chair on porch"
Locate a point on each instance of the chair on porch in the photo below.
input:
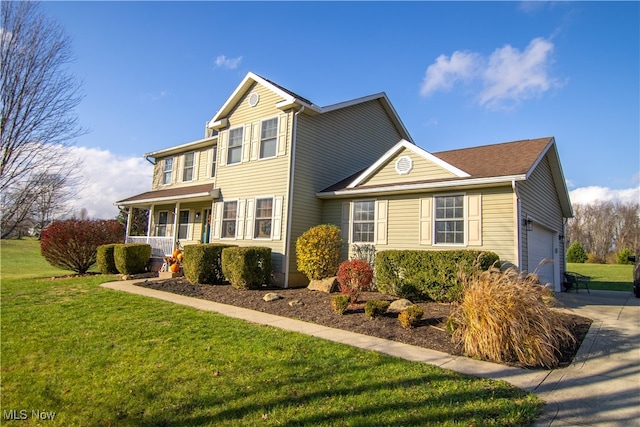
(575, 280)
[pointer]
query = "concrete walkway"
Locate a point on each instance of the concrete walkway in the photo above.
(600, 388)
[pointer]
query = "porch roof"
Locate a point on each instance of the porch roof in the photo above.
(191, 193)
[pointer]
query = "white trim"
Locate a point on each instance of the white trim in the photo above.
(201, 143)
(255, 216)
(235, 237)
(434, 220)
(229, 147)
(404, 144)
(189, 224)
(259, 140)
(352, 221)
(193, 167)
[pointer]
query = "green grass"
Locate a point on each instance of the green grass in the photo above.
(606, 277)
(100, 357)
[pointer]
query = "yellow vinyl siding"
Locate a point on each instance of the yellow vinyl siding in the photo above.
(422, 169)
(201, 173)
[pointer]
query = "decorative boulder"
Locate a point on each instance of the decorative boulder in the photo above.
(325, 285)
(295, 303)
(271, 296)
(398, 305)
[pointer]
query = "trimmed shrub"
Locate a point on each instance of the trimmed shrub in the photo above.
(73, 244)
(131, 258)
(595, 259)
(318, 251)
(105, 259)
(247, 268)
(202, 263)
(354, 276)
(622, 257)
(576, 253)
(375, 308)
(505, 317)
(428, 275)
(340, 303)
(410, 317)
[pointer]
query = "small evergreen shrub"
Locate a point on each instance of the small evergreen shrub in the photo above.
(340, 303)
(318, 251)
(595, 259)
(410, 317)
(73, 244)
(622, 257)
(248, 267)
(375, 308)
(105, 259)
(506, 317)
(131, 258)
(203, 263)
(576, 253)
(428, 275)
(354, 276)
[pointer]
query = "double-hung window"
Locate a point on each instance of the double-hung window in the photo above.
(187, 169)
(229, 216)
(161, 227)
(364, 221)
(264, 217)
(449, 219)
(183, 225)
(269, 138)
(167, 169)
(234, 153)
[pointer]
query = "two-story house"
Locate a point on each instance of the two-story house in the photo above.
(273, 164)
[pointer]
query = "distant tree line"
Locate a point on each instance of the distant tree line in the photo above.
(604, 229)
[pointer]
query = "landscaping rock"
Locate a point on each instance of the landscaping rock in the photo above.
(325, 285)
(398, 305)
(295, 303)
(271, 296)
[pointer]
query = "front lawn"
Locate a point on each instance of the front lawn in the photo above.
(94, 356)
(606, 277)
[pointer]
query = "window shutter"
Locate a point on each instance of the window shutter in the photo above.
(246, 143)
(474, 219)
(425, 221)
(381, 221)
(282, 135)
(346, 210)
(196, 165)
(240, 220)
(209, 162)
(217, 221)
(248, 234)
(255, 140)
(223, 138)
(276, 227)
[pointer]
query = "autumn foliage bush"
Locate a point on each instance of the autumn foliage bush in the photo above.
(72, 244)
(354, 276)
(318, 251)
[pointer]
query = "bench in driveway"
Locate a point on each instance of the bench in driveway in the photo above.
(575, 280)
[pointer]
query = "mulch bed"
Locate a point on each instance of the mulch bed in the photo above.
(316, 308)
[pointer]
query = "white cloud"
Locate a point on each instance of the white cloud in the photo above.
(587, 195)
(507, 77)
(107, 178)
(230, 63)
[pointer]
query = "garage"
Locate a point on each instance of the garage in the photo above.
(541, 248)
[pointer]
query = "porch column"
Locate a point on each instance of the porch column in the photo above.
(149, 221)
(176, 214)
(128, 231)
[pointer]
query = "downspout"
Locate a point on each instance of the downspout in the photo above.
(287, 236)
(518, 226)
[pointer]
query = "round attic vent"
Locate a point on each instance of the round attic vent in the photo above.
(404, 164)
(253, 99)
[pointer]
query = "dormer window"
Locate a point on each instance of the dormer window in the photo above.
(167, 169)
(269, 138)
(234, 152)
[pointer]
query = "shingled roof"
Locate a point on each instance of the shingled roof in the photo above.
(171, 194)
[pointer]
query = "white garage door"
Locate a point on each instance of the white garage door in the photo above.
(541, 253)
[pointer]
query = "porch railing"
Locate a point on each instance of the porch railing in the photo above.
(160, 246)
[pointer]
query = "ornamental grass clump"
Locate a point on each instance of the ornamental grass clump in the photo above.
(506, 317)
(354, 276)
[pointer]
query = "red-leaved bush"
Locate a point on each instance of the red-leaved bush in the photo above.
(354, 276)
(72, 244)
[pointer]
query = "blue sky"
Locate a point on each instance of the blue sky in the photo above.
(459, 74)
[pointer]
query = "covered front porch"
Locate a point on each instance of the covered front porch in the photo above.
(175, 217)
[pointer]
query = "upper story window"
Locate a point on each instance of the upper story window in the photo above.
(234, 153)
(269, 138)
(214, 161)
(264, 217)
(187, 170)
(229, 216)
(167, 169)
(364, 221)
(449, 219)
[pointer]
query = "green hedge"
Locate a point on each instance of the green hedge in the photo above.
(105, 259)
(131, 258)
(248, 267)
(203, 263)
(427, 275)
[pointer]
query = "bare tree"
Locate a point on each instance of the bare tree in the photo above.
(38, 97)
